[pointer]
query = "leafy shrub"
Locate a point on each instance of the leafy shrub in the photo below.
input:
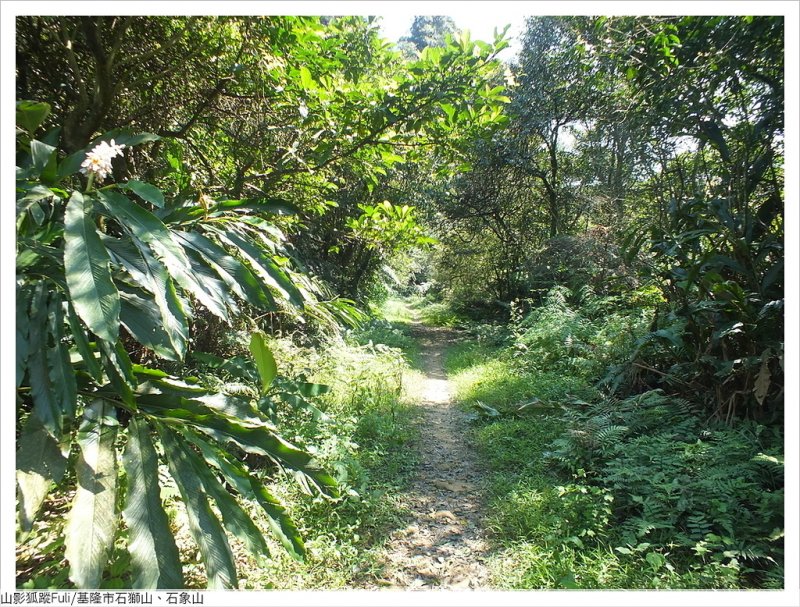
(582, 339)
(107, 281)
(720, 270)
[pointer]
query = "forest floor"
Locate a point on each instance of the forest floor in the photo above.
(444, 545)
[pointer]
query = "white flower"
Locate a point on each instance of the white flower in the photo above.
(98, 161)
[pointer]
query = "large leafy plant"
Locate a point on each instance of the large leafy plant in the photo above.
(108, 279)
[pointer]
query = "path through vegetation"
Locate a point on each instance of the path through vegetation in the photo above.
(444, 544)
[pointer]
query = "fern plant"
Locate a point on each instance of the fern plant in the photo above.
(680, 486)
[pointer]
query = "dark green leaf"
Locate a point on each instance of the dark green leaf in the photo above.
(234, 518)
(152, 276)
(45, 404)
(234, 273)
(118, 368)
(149, 229)
(23, 302)
(253, 437)
(203, 525)
(82, 343)
(140, 316)
(62, 374)
(145, 191)
(279, 521)
(154, 554)
(264, 266)
(86, 265)
(71, 164)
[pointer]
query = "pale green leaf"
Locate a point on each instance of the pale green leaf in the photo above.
(306, 81)
(265, 361)
(40, 463)
(31, 114)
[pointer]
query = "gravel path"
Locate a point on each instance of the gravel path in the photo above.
(443, 546)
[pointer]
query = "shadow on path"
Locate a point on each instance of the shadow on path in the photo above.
(444, 545)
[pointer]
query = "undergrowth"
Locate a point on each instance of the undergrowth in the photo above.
(363, 432)
(368, 445)
(591, 491)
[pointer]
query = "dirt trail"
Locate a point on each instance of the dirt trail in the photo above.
(444, 545)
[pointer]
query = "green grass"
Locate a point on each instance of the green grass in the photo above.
(491, 376)
(551, 529)
(369, 447)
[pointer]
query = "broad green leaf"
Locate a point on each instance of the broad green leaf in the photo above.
(298, 401)
(28, 201)
(92, 520)
(449, 110)
(86, 265)
(166, 395)
(139, 315)
(154, 554)
(203, 524)
(238, 366)
(23, 301)
(265, 361)
(62, 374)
(118, 368)
(31, 114)
(390, 158)
(234, 518)
(145, 191)
(82, 343)
(71, 164)
(306, 81)
(44, 160)
(224, 300)
(233, 272)
(264, 266)
(279, 521)
(253, 437)
(40, 463)
(149, 229)
(152, 276)
(45, 403)
(309, 389)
